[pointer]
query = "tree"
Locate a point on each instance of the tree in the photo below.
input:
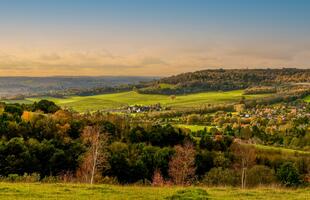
(96, 157)
(46, 106)
(137, 134)
(14, 109)
(204, 162)
(182, 165)
(246, 156)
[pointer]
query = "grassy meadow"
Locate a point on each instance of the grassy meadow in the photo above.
(194, 128)
(117, 100)
(34, 191)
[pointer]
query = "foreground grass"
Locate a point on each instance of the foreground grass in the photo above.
(117, 100)
(80, 191)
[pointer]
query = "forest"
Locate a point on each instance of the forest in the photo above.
(245, 146)
(225, 79)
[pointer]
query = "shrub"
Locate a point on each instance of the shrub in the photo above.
(50, 179)
(158, 179)
(29, 178)
(108, 180)
(13, 178)
(260, 175)
(197, 194)
(289, 175)
(219, 177)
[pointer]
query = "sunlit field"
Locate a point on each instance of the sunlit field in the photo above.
(36, 191)
(118, 100)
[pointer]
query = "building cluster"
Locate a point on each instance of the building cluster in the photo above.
(144, 108)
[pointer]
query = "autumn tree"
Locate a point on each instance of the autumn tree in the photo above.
(182, 165)
(96, 158)
(158, 179)
(246, 157)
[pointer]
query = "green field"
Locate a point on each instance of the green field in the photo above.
(307, 99)
(117, 100)
(281, 150)
(36, 191)
(194, 128)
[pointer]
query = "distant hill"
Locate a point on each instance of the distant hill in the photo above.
(19, 86)
(225, 79)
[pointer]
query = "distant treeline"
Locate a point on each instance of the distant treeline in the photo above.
(20, 87)
(225, 79)
(75, 91)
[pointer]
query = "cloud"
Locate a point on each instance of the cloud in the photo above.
(51, 56)
(152, 61)
(271, 52)
(266, 53)
(157, 62)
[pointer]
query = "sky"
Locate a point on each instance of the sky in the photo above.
(150, 37)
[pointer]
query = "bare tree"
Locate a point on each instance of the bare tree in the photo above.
(246, 156)
(182, 165)
(95, 159)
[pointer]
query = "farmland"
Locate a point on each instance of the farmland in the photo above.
(82, 191)
(117, 100)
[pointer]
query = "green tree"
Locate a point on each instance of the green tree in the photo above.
(46, 106)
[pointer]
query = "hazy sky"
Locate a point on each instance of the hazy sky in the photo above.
(150, 37)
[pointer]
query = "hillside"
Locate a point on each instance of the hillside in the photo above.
(226, 79)
(123, 99)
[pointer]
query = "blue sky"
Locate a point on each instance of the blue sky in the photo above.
(151, 37)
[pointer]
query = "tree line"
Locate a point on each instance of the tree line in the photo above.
(225, 80)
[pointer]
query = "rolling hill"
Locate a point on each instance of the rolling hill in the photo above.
(225, 80)
(117, 100)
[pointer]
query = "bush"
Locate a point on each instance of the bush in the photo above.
(289, 175)
(197, 194)
(28, 178)
(220, 177)
(13, 178)
(260, 175)
(108, 180)
(50, 179)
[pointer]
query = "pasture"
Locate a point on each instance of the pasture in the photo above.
(122, 99)
(34, 191)
(194, 128)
